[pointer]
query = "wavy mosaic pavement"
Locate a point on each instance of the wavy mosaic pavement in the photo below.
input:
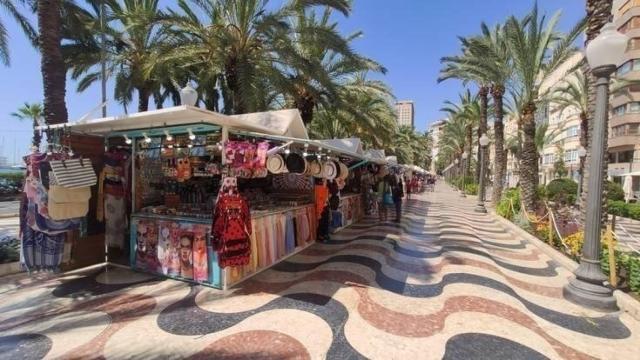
(444, 283)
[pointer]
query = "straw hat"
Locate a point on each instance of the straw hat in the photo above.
(275, 164)
(329, 170)
(296, 163)
(344, 171)
(315, 168)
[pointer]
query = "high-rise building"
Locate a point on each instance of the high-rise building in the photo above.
(404, 110)
(436, 130)
(624, 119)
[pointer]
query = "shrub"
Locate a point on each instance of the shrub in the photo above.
(618, 208)
(472, 189)
(11, 183)
(542, 192)
(633, 211)
(562, 191)
(9, 250)
(574, 242)
(504, 208)
(614, 191)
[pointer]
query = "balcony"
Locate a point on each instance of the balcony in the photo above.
(623, 140)
(618, 169)
(628, 118)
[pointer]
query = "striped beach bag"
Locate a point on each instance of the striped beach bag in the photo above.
(74, 173)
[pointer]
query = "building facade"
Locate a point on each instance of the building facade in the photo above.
(405, 113)
(624, 120)
(435, 130)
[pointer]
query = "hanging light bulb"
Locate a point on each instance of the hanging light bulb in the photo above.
(189, 146)
(220, 146)
(127, 140)
(287, 151)
(305, 154)
(169, 137)
(170, 146)
(192, 136)
(146, 138)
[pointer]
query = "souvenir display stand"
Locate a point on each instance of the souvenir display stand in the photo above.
(212, 199)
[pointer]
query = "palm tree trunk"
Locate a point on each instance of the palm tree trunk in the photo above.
(36, 134)
(469, 141)
(52, 65)
(483, 92)
(305, 105)
(500, 164)
(598, 14)
(143, 99)
(584, 126)
(529, 159)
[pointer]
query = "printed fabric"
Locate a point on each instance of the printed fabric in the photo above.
(39, 250)
(231, 230)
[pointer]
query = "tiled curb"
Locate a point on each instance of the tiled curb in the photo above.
(625, 301)
(10, 268)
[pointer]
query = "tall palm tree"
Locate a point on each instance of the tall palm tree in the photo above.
(33, 112)
(467, 110)
(490, 54)
(537, 50)
(52, 63)
(10, 7)
(465, 67)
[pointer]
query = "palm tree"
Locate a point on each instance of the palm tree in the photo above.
(468, 110)
(537, 50)
(10, 7)
(52, 64)
(491, 55)
(34, 113)
(465, 68)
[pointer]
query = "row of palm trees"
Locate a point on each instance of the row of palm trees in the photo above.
(508, 62)
(240, 55)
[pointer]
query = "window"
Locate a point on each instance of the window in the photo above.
(625, 68)
(618, 131)
(571, 156)
(549, 158)
(573, 131)
(619, 110)
(634, 44)
(634, 107)
(634, 129)
(625, 156)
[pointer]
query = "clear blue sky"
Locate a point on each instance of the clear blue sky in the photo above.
(406, 36)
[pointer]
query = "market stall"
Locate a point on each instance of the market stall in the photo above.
(213, 199)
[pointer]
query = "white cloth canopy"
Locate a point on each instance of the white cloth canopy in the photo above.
(279, 122)
(627, 187)
(353, 145)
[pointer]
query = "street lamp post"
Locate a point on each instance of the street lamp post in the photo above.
(464, 173)
(484, 141)
(582, 152)
(587, 288)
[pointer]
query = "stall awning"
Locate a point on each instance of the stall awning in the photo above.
(353, 145)
(376, 156)
(279, 122)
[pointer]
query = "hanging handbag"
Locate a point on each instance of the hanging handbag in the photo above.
(74, 173)
(64, 203)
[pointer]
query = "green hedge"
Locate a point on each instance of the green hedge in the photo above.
(562, 191)
(614, 191)
(472, 189)
(620, 208)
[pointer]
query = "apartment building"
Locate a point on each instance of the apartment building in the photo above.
(624, 120)
(562, 137)
(435, 130)
(405, 113)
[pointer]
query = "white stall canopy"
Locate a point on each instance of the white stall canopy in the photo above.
(351, 145)
(376, 156)
(280, 122)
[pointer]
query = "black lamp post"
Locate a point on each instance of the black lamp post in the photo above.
(588, 289)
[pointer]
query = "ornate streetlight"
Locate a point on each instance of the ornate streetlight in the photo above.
(582, 152)
(464, 173)
(603, 54)
(484, 141)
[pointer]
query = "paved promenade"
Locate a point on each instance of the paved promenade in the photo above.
(446, 283)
